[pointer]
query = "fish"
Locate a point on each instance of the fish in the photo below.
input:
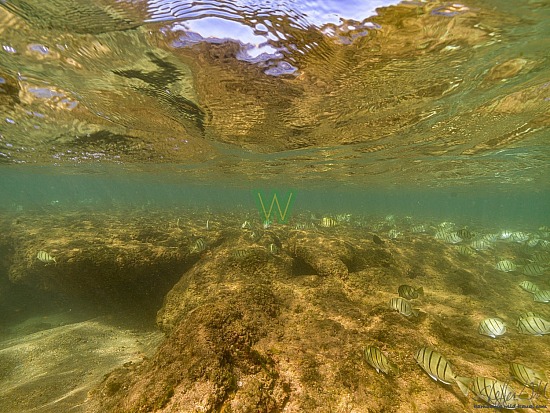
(438, 368)
(533, 325)
(492, 327)
(505, 266)
(490, 237)
(529, 287)
(519, 236)
(448, 237)
(465, 234)
(403, 307)
(481, 245)
(45, 257)
(540, 257)
(273, 249)
(393, 234)
(246, 225)
(465, 250)
(418, 229)
(533, 242)
(198, 246)
(208, 225)
(240, 253)
(530, 378)
(494, 392)
(328, 222)
(505, 234)
(532, 269)
(343, 217)
(542, 296)
(304, 225)
(408, 292)
(379, 361)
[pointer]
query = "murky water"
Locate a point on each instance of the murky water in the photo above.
(142, 144)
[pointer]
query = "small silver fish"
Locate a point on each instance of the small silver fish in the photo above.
(529, 287)
(273, 249)
(379, 361)
(542, 296)
(492, 327)
(403, 307)
(45, 257)
(505, 266)
(533, 325)
(530, 378)
(410, 293)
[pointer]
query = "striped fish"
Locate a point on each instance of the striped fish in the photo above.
(533, 269)
(541, 257)
(481, 245)
(492, 327)
(529, 287)
(45, 257)
(465, 250)
(393, 234)
(542, 296)
(403, 307)
(490, 237)
(240, 253)
(448, 237)
(438, 368)
(519, 236)
(505, 266)
(495, 392)
(198, 246)
(505, 234)
(530, 378)
(328, 222)
(418, 229)
(410, 293)
(379, 361)
(533, 242)
(465, 233)
(533, 325)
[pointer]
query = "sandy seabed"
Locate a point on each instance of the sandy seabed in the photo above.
(255, 319)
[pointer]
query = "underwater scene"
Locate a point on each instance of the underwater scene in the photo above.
(255, 206)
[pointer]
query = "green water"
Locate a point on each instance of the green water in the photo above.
(135, 137)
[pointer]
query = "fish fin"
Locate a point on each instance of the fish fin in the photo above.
(463, 384)
(415, 312)
(420, 290)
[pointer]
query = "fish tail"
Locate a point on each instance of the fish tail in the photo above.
(415, 312)
(463, 384)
